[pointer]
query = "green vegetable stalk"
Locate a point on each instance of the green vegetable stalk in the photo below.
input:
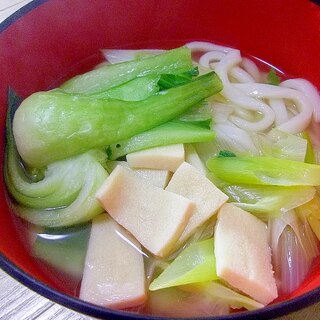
(50, 126)
(195, 264)
(173, 61)
(264, 171)
(172, 132)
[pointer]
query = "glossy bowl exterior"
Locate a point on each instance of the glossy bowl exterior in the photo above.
(42, 44)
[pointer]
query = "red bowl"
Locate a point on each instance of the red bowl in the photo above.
(43, 43)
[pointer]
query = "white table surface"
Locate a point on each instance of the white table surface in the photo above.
(19, 303)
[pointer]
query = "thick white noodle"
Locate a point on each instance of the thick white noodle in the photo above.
(221, 111)
(297, 123)
(209, 59)
(280, 111)
(238, 97)
(249, 66)
(309, 90)
(241, 75)
(244, 114)
(258, 106)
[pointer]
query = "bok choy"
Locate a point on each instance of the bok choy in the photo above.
(50, 126)
(64, 195)
(109, 76)
(172, 132)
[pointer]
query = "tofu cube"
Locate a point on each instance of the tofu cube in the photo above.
(114, 270)
(166, 158)
(154, 216)
(192, 157)
(190, 183)
(156, 177)
(243, 256)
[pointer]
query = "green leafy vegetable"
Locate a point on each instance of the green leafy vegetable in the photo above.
(168, 81)
(195, 264)
(172, 132)
(264, 171)
(137, 89)
(199, 114)
(226, 153)
(49, 126)
(273, 78)
(101, 79)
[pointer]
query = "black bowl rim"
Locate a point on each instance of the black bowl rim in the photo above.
(89, 309)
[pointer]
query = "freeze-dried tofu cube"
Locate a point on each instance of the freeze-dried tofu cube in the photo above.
(166, 157)
(243, 255)
(156, 177)
(190, 183)
(114, 270)
(156, 217)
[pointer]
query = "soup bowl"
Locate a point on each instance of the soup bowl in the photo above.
(48, 41)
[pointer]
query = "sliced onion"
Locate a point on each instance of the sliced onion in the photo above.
(294, 247)
(121, 55)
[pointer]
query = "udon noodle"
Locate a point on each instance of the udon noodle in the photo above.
(256, 106)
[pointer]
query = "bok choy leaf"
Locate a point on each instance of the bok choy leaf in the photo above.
(109, 76)
(137, 89)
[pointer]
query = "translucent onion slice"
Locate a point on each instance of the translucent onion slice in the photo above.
(311, 212)
(121, 55)
(294, 247)
(280, 144)
(268, 201)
